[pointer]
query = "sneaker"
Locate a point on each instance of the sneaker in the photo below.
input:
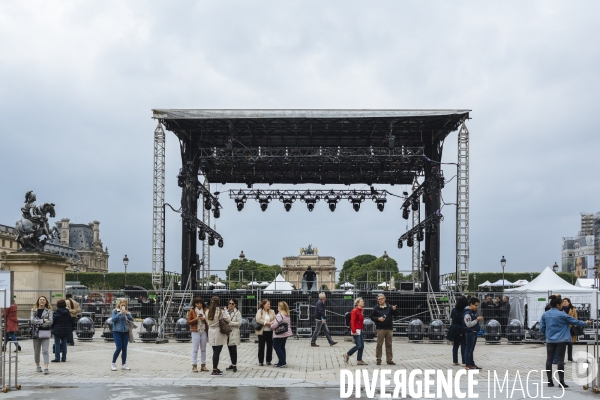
(46, 372)
(38, 369)
(378, 362)
(54, 360)
(125, 367)
(261, 364)
(216, 373)
(283, 366)
(268, 363)
(113, 366)
(333, 344)
(346, 358)
(361, 362)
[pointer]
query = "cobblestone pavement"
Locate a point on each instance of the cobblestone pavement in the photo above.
(158, 365)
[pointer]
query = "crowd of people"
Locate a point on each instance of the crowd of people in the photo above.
(219, 326)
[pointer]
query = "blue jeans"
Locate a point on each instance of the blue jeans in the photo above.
(359, 345)
(459, 340)
(471, 341)
(60, 345)
(279, 347)
(121, 341)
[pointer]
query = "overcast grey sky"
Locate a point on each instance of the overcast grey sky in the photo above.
(79, 80)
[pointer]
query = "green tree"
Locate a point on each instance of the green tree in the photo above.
(250, 268)
(365, 267)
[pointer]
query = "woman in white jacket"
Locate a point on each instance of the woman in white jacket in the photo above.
(233, 340)
(215, 338)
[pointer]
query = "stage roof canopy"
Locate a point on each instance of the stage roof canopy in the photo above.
(312, 146)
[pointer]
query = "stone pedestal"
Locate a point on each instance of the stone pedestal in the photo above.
(36, 274)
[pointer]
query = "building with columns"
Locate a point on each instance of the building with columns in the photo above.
(293, 268)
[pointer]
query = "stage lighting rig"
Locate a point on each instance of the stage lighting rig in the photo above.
(310, 197)
(201, 235)
(429, 224)
(211, 240)
(405, 213)
(203, 229)
(399, 243)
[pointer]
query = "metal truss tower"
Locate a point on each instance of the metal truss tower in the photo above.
(416, 249)
(158, 216)
(205, 262)
(462, 210)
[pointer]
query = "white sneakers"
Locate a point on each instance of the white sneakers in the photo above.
(113, 366)
(125, 367)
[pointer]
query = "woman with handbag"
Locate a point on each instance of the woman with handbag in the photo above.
(199, 329)
(569, 309)
(217, 321)
(356, 328)
(265, 316)
(234, 338)
(61, 328)
(120, 316)
(41, 322)
(282, 329)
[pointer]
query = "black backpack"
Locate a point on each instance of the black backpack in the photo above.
(347, 318)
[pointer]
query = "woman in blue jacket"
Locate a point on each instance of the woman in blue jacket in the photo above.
(555, 326)
(120, 316)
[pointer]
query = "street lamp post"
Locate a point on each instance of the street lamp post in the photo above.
(503, 263)
(530, 276)
(475, 282)
(555, 267)
(104, 278)
(125, 262)
(77, 272)
(385, 259)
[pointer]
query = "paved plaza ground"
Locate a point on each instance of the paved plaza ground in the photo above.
(164, 371)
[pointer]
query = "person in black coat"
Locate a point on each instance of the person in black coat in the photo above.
(62, 326)
(456, 333)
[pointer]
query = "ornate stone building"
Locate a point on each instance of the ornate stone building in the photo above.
(85, 241)
(293, 268)
(8, 244)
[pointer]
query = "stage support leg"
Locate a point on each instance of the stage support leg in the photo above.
(189, 205)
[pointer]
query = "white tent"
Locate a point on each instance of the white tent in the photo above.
(253, 283)
(535, 295)
(263, 284)
(485, 284)
(585, 283)
(499, 282)
(279, 285)
(383, 284)
(219, 284)
(346, 285)
(521, 282)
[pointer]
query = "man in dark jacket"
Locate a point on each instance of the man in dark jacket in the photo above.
(321, 321)
(382, 316)
(61, 328)
(309, 278)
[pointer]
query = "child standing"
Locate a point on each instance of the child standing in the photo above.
(471, 328)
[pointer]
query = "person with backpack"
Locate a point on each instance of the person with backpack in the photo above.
(62, 326)
(356, 324)
(456, 333)
(471, 328)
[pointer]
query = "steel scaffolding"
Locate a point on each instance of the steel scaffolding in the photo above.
(416, 249)
(462, 210)
(204, 270)
(158, 220)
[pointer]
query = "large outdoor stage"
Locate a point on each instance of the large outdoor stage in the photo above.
(319, 147)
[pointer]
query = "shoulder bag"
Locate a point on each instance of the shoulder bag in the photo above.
(255, 324)
(576, 330)
(282, 327)
(224, 327)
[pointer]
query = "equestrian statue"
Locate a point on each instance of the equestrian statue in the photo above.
(34, 224)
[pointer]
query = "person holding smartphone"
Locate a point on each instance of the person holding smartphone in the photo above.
(382, 316)
(121, 334)
(199, 332)
(41, 317)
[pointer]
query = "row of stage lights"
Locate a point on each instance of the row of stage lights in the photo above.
(211, 238)
(332, 198)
